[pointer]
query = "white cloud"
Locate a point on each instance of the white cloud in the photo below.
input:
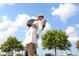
(5, 23)
(52, 9)
(72, 34)
(71, 31)
(73, 39)
(65, 11)
(33, 17)
(21, 20)
(8, 27)
(77, 25)
(4, 18)
(48, 27)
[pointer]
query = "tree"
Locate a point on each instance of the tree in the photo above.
(11, 44)
(55, 39)
(77, 44)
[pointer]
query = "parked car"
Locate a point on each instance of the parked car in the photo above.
(69, 55)
(63, 54)
(49, 54)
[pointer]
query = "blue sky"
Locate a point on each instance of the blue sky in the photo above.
(59, 16)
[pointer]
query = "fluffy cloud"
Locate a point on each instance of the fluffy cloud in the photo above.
(72, 33)
(73, 39)
(77, 25)
(65, 11)
(7, 27)
(21, 20)
(48, 27)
